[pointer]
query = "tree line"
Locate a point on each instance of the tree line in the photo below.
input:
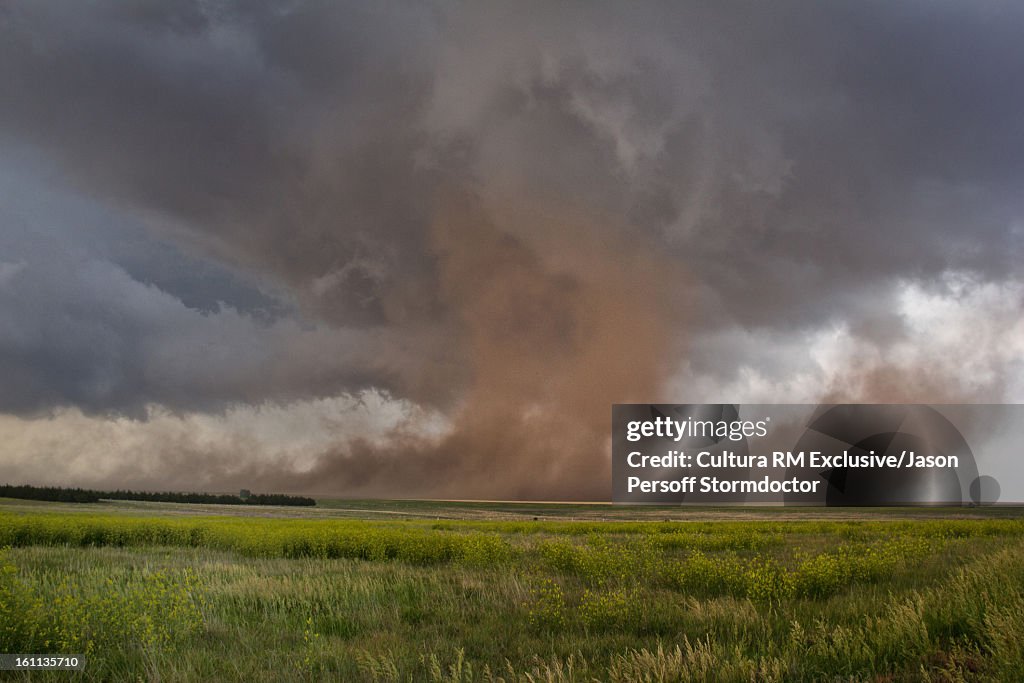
(77, 495)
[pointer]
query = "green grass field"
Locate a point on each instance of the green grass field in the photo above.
(433, 591)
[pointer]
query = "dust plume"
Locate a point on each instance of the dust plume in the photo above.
(558, 317)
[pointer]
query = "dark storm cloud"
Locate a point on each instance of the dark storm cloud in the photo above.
(777, 167)
(280, 141)
(82, 332)
(289, 137)
(96, 315)
(797, 152)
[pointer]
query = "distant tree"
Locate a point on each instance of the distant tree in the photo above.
(77, 495)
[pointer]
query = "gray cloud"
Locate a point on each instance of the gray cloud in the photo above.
(82, 332)
(273, 214)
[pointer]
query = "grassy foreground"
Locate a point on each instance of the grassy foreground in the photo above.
(155, 593)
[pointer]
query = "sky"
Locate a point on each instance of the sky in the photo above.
(418, 249)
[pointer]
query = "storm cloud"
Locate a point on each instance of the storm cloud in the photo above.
(502, 216)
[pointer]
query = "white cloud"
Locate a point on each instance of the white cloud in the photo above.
(961, 333)
(196, 450)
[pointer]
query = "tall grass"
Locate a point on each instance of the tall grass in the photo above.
(220, 598)
(256, 537)
(121, 614)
